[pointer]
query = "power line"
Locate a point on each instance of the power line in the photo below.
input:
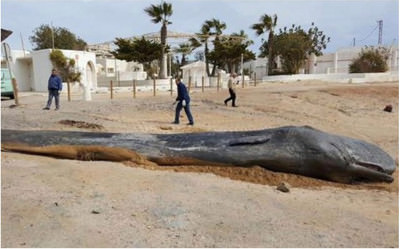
(368, 34)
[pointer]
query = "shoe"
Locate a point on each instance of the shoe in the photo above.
(235, 106)
(46, 108)
(225, 103)
(190, 124)
(175, 122)
(56, 109)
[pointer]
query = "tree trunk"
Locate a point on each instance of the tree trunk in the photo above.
(206, 58)
(213, 69)
(270, 49)
(163, 42)
(183, 61)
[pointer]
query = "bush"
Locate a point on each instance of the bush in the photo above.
(65, 66)
(370, 60)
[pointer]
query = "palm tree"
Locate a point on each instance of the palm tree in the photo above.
(267, 24)
(209, 28)
(215, 27)
(184, 49)
(160, 13)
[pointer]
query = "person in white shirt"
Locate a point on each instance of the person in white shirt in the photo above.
(232, 82)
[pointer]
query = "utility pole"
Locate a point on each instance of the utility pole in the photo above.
(380, 23)
(22, 43)
(354, 42)
(52, 34)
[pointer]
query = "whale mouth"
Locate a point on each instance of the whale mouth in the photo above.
(371, 166)
(372, 172)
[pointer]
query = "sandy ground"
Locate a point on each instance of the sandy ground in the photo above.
(49, 202)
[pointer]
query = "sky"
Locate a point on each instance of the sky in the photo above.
(97, 21)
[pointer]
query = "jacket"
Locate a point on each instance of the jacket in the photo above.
(182, 93)
(232, 82)
(55, 83)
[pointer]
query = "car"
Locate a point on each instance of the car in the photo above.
(6, 84)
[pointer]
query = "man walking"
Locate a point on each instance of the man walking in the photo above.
(54, 87)
(232, 85)
(183, 102)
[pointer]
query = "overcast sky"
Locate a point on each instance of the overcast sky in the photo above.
(97, 21)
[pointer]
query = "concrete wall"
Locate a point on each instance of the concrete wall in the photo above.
(329, 63)
(338, 77)
(339, 61)
(41, 70)
(24, 71)
(21, 66)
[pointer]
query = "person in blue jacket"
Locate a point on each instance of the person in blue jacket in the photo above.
(183, 100)
(54, 87)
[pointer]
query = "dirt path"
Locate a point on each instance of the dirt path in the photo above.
(64, 203)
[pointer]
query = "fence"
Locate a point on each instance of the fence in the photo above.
(165, 85)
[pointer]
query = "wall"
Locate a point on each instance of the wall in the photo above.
(339, 77)
(124, 70)
(41, 70)
(24, 74)
(21, 66)
(82, 59)
(339, 62)
(259, 66)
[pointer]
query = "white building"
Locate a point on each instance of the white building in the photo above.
(258, 66)
(119, 69)
(197, 70)
(32, 69)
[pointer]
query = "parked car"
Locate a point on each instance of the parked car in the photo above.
(6, 84)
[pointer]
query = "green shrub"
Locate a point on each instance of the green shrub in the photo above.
(370, 60)
(65, 66)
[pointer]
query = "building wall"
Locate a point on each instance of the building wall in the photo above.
(339, 62)
(85, 62)
(23, 69)
(41, 70)
(120, 68)
(197, 71)
(258, 66)
(32, 71)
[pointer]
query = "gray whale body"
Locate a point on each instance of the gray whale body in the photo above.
(298, 150)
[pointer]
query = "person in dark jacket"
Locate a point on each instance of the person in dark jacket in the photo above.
(54, 87)
(183, 100)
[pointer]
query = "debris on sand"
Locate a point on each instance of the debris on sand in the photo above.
(81, 124)
(283, 187)
(388, 108)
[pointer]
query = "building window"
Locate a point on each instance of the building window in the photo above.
(110, 70)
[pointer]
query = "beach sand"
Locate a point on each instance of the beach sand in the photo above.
(49, 202)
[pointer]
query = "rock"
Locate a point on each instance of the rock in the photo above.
(283, 187)
(388, 108)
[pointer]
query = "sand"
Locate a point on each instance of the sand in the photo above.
(48, 202)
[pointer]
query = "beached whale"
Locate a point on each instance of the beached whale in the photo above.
(299, 150)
